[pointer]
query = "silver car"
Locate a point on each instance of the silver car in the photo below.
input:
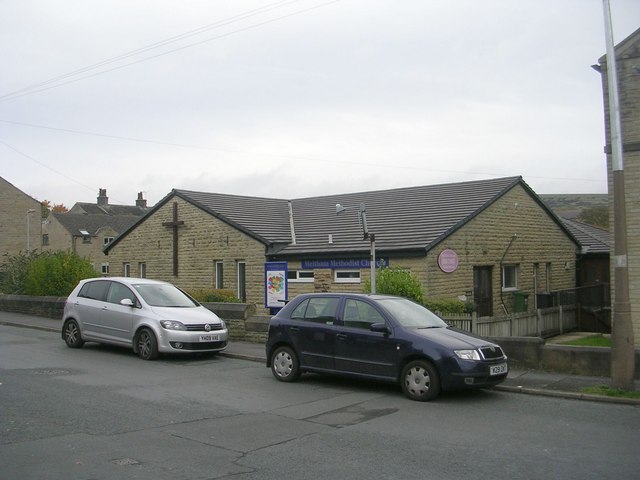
(149, 316)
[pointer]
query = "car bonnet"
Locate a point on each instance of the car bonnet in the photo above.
(451, 338)
(186, 315)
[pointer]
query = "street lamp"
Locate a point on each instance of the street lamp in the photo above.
(362, 219)
(29, 212)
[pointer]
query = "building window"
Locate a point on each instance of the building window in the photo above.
(104, 269)
(242, 281)
(548, 279)
(45, 239)
(509, 277)
(142, 269)
(301, 276)
(126, 269)
(106, 241)
(219, 280)
(346, 276)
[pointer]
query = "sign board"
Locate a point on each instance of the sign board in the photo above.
(275, 284)
(344, 263)
(448, 261)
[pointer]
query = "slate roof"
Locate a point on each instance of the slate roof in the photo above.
(75, 222)
(95, 209)
(592, 239)
(403, 219)
(407, 220)
(266, 219)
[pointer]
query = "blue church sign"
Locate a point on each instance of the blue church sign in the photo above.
(344, 263)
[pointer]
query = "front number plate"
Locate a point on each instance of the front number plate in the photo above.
(209, 338)
(498, 369)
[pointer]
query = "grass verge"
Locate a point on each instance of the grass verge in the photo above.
(611, 392)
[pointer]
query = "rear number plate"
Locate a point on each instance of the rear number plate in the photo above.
(498, 369)
(209, 338)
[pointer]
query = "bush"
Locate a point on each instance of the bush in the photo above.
(56, 273)
(14, 273)
(447, 306)
(44, 273)
(214, 295)
(396, 281)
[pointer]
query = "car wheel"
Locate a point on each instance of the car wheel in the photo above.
(71, 334)
(420, 381)
(284, 364)
(147, 345)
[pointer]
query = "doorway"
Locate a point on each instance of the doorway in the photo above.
(483, 291)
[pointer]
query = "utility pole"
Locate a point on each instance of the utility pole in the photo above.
(622, 342)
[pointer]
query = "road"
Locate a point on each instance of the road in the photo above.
(102, 413)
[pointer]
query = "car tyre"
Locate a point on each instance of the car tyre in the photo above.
(71, 334)
(420, 381)
(284, 364)
(147, 345)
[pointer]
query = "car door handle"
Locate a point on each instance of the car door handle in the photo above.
(341, 336)
(295, 329)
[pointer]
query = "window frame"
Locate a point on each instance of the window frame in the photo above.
(337, 279)
(293, 276)
(218, 274)
(514, 276)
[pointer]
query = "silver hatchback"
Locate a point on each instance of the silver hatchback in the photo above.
(149, 316)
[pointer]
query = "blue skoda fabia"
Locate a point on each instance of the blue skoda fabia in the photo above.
(379, 337)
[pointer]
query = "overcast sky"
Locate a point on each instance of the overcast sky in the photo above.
(291, 99)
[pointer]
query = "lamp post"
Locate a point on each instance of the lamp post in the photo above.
(362, 219)
(29, 212)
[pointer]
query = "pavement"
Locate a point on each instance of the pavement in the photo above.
(531, 382)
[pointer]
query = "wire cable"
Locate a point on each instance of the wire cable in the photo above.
(32, 90)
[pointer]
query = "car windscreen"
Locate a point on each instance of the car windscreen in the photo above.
(164, 295)
(411, 315)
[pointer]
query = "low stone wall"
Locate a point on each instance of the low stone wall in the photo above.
(533, 353)
(49, 307)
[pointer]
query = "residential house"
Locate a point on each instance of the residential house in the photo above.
(87, 228)
(20, 221)
(491, 242)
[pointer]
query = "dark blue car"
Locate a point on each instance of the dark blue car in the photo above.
(380, 337)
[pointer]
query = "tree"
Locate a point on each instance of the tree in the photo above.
(596, 216)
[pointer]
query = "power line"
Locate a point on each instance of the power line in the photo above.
(45, 166)
(275, 155)
(35, 88)
(160, 43)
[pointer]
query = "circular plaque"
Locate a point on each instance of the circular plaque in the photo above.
(448, 261)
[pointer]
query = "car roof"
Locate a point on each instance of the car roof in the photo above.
(372, 296)
(129, 280)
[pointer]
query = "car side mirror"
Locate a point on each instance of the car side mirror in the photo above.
(127, 302)
(380, 327)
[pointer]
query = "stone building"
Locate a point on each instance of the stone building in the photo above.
(493, 242)
(89, 227)
(20, 221)
(628, 68)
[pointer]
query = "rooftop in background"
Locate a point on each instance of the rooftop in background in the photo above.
(102, 207)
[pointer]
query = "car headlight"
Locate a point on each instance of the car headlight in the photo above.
(172, 325)
(222, 325)
(467, 354)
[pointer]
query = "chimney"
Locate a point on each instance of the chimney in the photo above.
(141, 202)
(103, 200)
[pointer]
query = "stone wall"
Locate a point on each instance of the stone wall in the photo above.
(203, 240)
